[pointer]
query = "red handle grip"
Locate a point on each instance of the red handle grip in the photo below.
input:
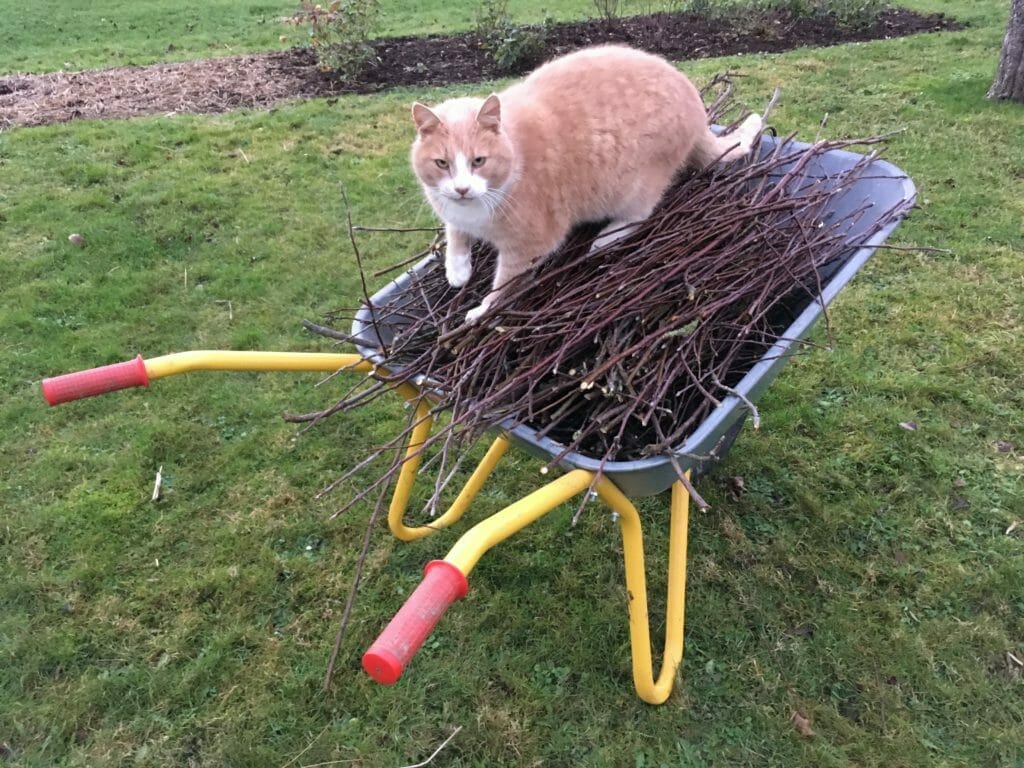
(95, 381)
(442, 585)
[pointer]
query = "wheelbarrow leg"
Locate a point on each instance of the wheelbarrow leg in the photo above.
(650, 690)
(411, 464)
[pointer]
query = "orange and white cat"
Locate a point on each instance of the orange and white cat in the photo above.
(597, 134)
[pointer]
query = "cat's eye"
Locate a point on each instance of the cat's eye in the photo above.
(442, 164)
(478, 161)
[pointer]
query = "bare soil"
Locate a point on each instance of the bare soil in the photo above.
(262, 80)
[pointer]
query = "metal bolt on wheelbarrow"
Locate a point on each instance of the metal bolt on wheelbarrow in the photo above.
(445, 580)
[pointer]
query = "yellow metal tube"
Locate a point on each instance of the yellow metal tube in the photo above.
(477, 479)
(477, 540)
(410, 465)
(400, 500)
(650, 690)
(474, 543)
(221, 360)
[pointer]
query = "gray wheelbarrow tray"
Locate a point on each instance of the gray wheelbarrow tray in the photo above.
(882, 184)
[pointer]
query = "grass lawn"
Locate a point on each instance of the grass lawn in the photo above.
(864, 579)
(48, 35)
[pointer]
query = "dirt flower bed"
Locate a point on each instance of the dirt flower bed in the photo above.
(262, 80)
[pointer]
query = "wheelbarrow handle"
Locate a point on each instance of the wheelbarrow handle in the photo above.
(95, 381)
(139, 372)
(387, 658)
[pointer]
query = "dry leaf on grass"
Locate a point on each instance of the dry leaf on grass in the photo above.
(802, 724)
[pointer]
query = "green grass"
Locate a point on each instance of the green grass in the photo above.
(863, 579)
(49, 35)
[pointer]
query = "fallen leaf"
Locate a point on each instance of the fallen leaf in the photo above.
(803, 724)
(910, 426)
(959, 483)
(957, 502)
(900, 557)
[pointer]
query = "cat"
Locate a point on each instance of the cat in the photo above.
(594, 135)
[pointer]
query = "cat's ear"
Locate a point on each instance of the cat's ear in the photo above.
(489, 115)
(425, 119)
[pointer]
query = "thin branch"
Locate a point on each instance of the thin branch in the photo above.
(396, 229)
(308, 747)
(356, 577)
(437, 751)
(755, 415)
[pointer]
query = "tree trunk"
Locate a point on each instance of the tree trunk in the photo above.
(1009, 83)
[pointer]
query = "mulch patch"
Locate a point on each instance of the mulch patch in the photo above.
(262, 80)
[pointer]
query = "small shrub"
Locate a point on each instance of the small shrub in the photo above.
(511, 46)
(852, 14)
(714, 8)
(647, 7)
(340, 34)
(608, 9)
(855, 14)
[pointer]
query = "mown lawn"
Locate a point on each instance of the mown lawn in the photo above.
(48, 35)
(864, 579)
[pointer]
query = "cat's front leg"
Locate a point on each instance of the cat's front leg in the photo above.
(458, 265)
(477, 312)
(508, 266)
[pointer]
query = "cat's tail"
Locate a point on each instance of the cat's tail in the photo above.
(711, 149)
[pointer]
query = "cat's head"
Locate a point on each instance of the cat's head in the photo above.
(461, 154)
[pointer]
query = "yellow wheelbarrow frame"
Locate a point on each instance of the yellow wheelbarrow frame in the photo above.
(386, 659)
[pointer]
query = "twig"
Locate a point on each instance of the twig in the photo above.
(356, 576)
(308, 747)
(436, 751)
(755, 416)
(396, 229)
(157, 484)
(359, 259)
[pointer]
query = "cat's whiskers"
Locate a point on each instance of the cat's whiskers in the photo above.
(508, 209)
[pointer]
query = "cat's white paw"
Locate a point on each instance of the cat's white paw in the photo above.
(476, 313)
(749, 130)
(753, 123)
(458, 270)
(610, 234)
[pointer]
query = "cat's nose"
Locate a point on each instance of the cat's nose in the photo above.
(462, 191)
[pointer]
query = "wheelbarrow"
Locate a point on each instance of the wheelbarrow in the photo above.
(615, 483)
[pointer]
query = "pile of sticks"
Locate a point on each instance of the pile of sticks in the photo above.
(619, 353)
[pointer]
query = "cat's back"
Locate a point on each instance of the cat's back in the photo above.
(601, 79)
(604, 100)
(602, 67)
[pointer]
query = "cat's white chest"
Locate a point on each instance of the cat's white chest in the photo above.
(471, 216)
